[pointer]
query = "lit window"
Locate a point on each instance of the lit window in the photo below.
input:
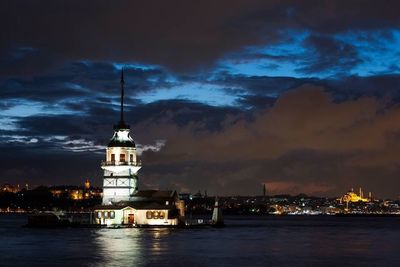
(162, 215)
(155, 214)
(149, 215)
(99, 215)
(112, 214)
(106, 215)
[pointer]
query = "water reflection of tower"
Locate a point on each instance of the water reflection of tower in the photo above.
(119, 248)
(121, 166)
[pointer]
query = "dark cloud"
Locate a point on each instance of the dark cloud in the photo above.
(181, 112)
(45, 89)
(342, 88)
(82, 82)
(99, 118)
(176, 34)
(49, 166)
(263, 85)
(328, 55)
(351, 87)
(257, 101)
(305, 142)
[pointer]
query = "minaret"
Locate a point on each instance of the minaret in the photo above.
(121, 164)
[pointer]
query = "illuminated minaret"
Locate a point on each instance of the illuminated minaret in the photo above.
(121, 164)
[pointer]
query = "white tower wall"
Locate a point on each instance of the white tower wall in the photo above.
(120, 169)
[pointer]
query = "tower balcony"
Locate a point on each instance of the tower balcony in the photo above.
(121, 163)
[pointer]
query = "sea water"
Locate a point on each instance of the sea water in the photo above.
(245, 241)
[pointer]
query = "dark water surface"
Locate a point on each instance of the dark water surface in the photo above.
(246, 241)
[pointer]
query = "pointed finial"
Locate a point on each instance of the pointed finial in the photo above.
(122, 75)
(122, 95)
(121, 124)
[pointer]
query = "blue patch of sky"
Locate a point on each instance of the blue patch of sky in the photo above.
(280, 59)
(166, 77)
(261, 67)
(7, 124)
(209, 94)
(9, 116)
(21, 109)
(119, 66)
(171, 79)
(380, 51)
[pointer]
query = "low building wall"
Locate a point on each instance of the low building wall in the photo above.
(157, 217)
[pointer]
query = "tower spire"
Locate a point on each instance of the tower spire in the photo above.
(122, 96)
(121, 124)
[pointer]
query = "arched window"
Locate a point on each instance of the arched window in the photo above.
(155, 214)
(149, 215)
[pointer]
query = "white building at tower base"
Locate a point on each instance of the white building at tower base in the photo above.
(152, 208)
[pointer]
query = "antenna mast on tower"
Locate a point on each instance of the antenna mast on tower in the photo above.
(122, 96)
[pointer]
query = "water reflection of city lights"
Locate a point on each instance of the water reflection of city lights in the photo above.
(160, 232)
(158, 244)
(130, 246)
(120, 246)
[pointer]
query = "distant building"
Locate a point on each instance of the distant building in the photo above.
(76, 192)
(123, 203)
(87, 184)
(350, 196)
(198, 195)
(10, 188)
(185, 196)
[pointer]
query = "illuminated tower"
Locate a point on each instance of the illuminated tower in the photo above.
(87, 184)
(121, 164)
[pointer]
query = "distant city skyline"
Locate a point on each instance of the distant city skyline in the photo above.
(301, 96)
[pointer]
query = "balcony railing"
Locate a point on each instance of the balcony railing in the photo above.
(121, 163)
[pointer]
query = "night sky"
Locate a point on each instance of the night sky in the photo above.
(221, 95)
